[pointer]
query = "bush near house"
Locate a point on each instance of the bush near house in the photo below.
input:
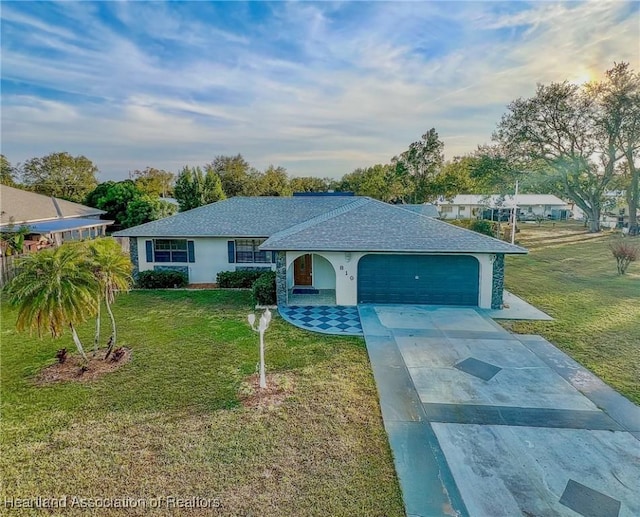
(264, 289)
(242, 279)
(161, 279)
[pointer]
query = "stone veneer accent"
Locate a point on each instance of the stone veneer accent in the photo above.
(133, 253)
(498, 282)
(281, 278)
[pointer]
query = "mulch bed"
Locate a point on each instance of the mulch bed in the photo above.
(279, 388)
(71, 369)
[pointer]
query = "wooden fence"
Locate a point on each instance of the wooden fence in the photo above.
(8, 268)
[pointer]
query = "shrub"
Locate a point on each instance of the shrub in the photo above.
(477, 225)
(161, 279)
(483, 226)
(238, 279)
(625, 253)
(264, 289)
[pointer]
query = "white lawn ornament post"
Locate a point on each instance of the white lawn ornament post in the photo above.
(263, 325)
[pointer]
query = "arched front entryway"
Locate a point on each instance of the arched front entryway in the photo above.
(311, 280)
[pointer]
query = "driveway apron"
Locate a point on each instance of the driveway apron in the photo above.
(486, 423)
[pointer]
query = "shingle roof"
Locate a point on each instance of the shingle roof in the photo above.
(369, 225)
(19, 206)
(239, 217)
(425, 209)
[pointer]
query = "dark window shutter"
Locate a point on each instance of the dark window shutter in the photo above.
(231, 249)
(192, 251)
(273, 257)
(149, 251)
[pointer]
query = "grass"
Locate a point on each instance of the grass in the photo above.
(572, 276)
(170, 423)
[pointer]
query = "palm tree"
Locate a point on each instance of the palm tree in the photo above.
(112, 269)
(54, 289)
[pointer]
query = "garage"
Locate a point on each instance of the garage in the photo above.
(419, 279)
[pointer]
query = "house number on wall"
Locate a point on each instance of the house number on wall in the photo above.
(346, 273)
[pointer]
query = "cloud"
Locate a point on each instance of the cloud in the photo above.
(320, 88)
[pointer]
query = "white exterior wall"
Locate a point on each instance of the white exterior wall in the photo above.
(346, 268)
(461, 211)
(211, 258)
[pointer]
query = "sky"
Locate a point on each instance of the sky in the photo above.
(318, 88)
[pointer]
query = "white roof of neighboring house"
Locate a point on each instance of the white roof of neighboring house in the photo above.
(495, 200)
(20, 206)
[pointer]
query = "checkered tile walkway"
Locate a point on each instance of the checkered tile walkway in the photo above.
(327, 319)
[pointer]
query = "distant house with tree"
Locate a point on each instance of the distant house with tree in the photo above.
(530, 206)
(44, 221)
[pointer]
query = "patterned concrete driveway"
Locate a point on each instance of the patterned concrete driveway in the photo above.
(487, 423)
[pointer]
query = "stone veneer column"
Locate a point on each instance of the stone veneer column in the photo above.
(498, 282)
(281, 278)
(133, 253)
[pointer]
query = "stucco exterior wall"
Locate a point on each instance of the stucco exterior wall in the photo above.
(211, 257)
(346, 268)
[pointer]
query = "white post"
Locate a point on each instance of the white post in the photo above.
(515, 211)
(263, 377)
(263, 324)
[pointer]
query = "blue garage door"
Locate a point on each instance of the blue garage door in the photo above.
(420, 279)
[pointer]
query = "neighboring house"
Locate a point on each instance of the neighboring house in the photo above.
(530, 206)
(51, 221)
(350, 250)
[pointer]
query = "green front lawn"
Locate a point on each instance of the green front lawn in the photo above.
(170, 422)
(572, 276)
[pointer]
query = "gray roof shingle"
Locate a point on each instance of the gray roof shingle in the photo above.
(370, 225)
(239, 217)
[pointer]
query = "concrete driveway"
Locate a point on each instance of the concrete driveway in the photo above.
(486, 423)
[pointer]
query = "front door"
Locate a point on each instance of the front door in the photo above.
(302, 270)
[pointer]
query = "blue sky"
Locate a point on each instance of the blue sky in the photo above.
(319, 88)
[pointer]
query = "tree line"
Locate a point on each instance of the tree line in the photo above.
(575, 141)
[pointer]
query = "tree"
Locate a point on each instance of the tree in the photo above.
(237, 176)
(13, 239)
(7, 172)
(454, 178)
(378, 181)
(556, 128)
(145, 208)
(309, 184)
(194, 189)
(114, 197)
(422, 162)
(111, 268)
(60, 175)
(54, 289)
(617, 120)
(274, 182)
(154, 182)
